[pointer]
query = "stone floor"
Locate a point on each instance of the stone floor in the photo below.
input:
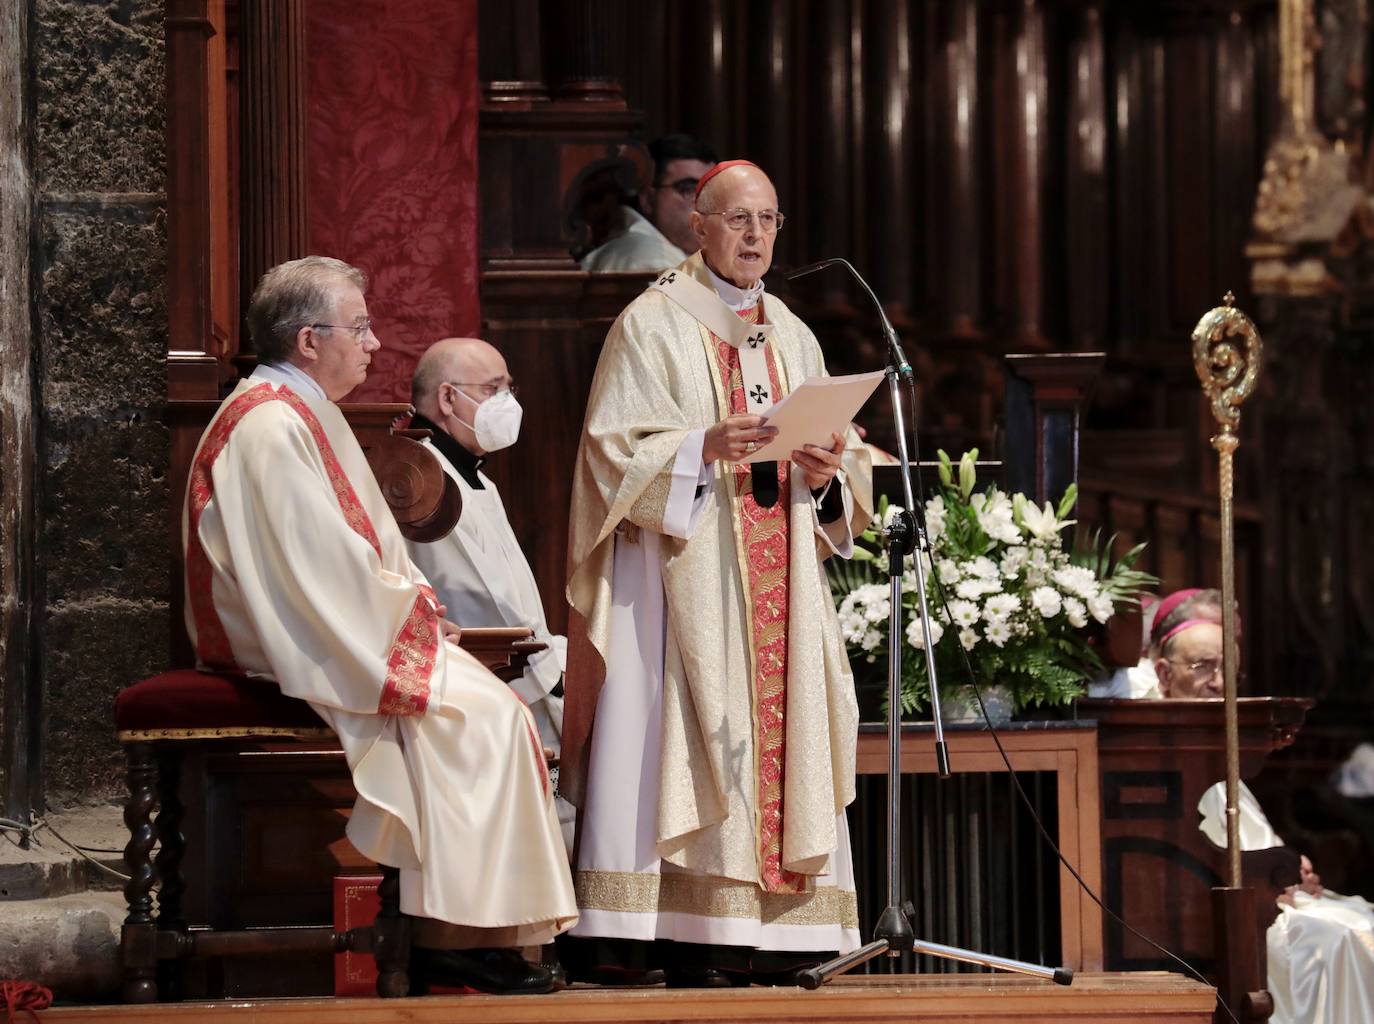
(60, 914)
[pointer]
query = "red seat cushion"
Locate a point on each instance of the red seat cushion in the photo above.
(191, 702)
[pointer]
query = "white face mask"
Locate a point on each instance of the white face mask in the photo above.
(497, 423)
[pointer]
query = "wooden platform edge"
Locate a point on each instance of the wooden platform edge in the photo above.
(933, 999)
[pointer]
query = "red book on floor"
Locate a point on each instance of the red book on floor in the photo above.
(355, 906)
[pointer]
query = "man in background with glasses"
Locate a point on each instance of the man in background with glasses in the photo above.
(463, 394)
(661, 235)
(679, 162)
(710, 726)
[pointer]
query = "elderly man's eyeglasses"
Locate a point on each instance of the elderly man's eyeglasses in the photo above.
(770, 221)
(1205, 668)
(360, 331)
(487, 390)
(684, 187)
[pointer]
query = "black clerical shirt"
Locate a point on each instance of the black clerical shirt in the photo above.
(459, 457)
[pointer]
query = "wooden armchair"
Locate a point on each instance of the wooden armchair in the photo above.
(173, 727)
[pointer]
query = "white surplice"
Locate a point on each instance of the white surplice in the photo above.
(482, 576)
(624, 769)
(297, 572)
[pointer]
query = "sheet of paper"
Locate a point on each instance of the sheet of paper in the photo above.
(812, 412)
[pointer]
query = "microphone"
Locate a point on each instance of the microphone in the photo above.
(889, 332)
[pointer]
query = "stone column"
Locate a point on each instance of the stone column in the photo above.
(99, 299)
(18, 694)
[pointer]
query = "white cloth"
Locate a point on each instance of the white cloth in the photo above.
(1138, 682)
(296, 572)
(637, 245)
(626, 756)
(1355, 777)
(1321, 960)
(483, 578)
(1255, 831)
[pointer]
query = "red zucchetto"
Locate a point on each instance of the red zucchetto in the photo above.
(724, 165)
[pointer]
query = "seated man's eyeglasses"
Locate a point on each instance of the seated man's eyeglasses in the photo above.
(737, 220)
(359, 330)
(684, 187)
(487, 390)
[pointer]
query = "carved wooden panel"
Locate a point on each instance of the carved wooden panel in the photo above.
(1157, 758)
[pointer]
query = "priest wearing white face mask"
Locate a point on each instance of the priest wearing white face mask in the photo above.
(463, 394)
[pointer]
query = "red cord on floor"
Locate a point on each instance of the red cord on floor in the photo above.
(23, 996)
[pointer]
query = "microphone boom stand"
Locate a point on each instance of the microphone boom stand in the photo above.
(903, 534)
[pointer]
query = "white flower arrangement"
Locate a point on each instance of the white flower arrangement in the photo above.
(1001, 587)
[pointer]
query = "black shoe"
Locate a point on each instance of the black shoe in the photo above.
(559, 976)
(616, 977)
(497, 971)
(790, 976)
(703, 977)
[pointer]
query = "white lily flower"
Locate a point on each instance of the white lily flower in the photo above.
(1042, 523)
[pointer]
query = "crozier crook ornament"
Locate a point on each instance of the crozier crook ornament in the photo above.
(1227, 355)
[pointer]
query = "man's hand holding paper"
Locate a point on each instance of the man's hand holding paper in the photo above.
(814, 415)
(735, 437)
(819, 465)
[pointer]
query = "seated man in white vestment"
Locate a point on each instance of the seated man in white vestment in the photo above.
(710, 724)
(463, 394)
(296, 572)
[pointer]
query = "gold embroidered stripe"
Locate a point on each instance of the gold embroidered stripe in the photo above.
(632, 892)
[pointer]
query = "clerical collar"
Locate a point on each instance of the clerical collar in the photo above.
(458, 457)
(292, 376)
(732, 295)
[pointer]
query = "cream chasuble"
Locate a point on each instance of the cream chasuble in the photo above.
(295, 571)
(483, 578)
(714, 781)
